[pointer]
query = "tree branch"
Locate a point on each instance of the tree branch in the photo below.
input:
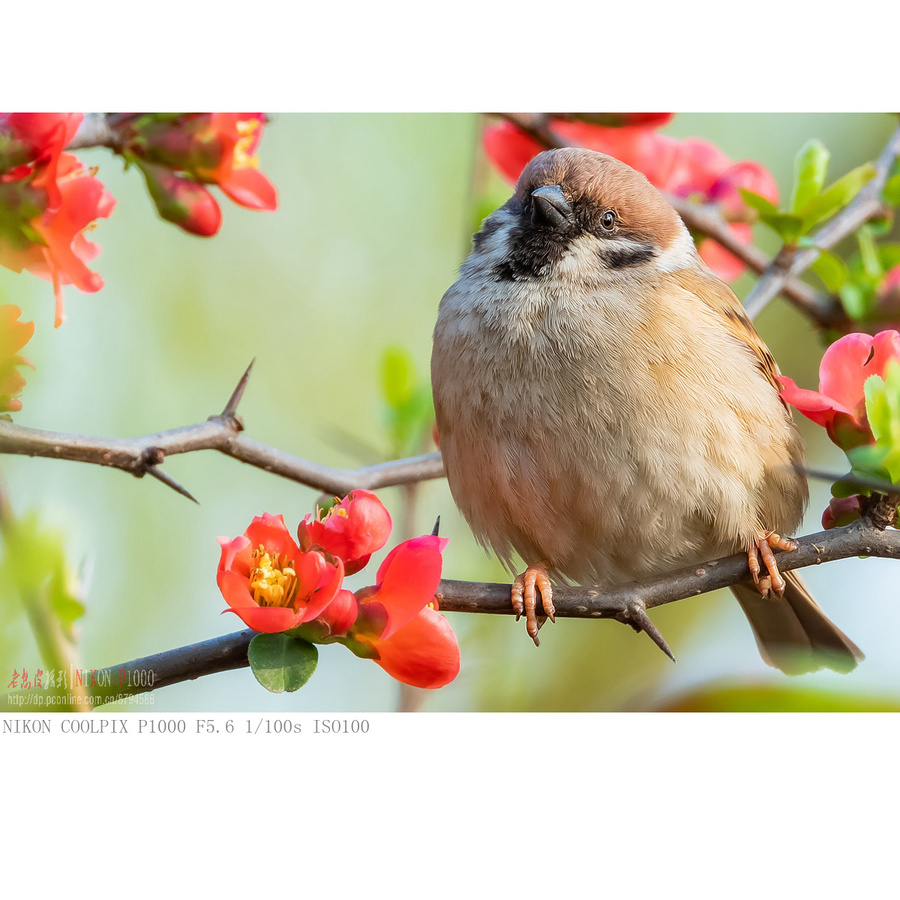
(626, 603)
(143, 455)
(95, 130)
(866, 205)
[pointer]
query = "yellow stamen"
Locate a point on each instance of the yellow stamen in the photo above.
(273, 581)
(247, 130)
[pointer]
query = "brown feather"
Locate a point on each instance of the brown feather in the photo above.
(718, 296)
(792, 633)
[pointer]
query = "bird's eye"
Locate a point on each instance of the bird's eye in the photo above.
(608, 221)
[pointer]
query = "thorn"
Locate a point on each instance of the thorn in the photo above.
(639, 616)
(437, 526)
(159, 475)
(230, 411)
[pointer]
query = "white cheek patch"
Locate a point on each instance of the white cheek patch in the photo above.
(681, 254)
(493, 239)
(581, 260)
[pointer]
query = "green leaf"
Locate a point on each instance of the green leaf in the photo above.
(891, 191)
(889, 256)
(855, 300)
(831, 270)
(36, 564)
(810, 166)
(883, 412)
(836, 196)
(397, 376)
(843, 488)
(880, 225)
(282, 663)
(868, 254)
(787, 226)
(410, 410)
(756, 201)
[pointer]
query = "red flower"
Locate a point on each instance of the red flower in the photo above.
(270, 583)
(37, 139)
(842, 511)
(725, 191)
(681, 167)
(181, 201)
(207, 148)
(839, 405)
(13, 336)
(352, 529)
(685, 168)
(238, 174)
(396, 626)
(47, 200)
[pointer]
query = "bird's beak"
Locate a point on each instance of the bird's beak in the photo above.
(551, 206)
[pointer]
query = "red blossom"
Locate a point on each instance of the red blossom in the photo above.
(691, 167)
(47, 201)
(37, 140)
(181, 201)
(842, 511)
(270, 583)
(839, 405)
(397, 627)
(206, 148)
(275, 585)
(352, 529)
(13, 336)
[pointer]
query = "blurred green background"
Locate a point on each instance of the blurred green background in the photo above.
(375, 215)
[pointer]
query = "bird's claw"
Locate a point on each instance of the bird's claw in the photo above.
(772, 579)
(535, 579)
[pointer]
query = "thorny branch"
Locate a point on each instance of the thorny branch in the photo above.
(223, 432)
(627, 604)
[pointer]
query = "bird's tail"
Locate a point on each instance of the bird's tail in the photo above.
(792, 632)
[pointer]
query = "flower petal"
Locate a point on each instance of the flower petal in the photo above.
(812, 404)
(340, 614)
(509, 149)
(424, 653)
(249, 187)
(850, 360)
(322, 592)
(407, 580)
(273, 534)
(267, 619)
(721, 261)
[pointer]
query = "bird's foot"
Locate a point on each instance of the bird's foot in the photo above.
(772, 579)
(535, 579)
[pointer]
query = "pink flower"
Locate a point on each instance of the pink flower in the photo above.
(839, 405)
(841, 511)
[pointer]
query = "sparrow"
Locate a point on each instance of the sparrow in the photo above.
(606, 410)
